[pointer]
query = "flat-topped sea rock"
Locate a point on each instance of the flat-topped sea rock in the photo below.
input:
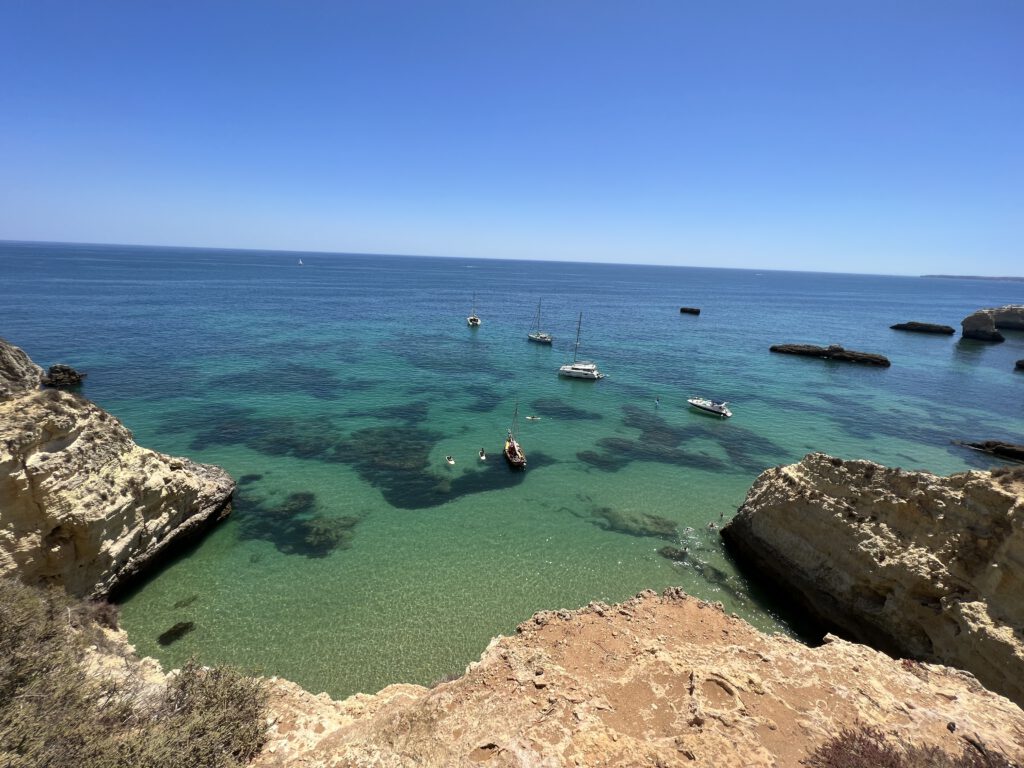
(81, 505)
(997, 448)
(917, 327)
(689, 310)
(984, 325)
(915, 564)
(831, 352)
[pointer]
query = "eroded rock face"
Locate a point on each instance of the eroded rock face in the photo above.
(983, 324)
(916, 327)
(920, 565)
(658, 680)
(18, 373)
(81, 505)
(61, 375)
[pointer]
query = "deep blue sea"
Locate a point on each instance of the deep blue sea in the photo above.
(332, 391)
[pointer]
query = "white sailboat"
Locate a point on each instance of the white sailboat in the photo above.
(537, 334)
(473, 321)
(580, 369)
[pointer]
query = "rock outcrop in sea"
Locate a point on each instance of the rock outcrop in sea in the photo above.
(915, 564)
(689, 310)
(917, 327)
(663, 680)
(61, 375)
(832, 352)
(999, 448)
(81, 505)
(984, 324)
(1020, 365)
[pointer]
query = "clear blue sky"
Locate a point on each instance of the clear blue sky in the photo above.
(857, 135)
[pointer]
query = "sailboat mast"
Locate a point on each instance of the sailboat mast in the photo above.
(578, 324)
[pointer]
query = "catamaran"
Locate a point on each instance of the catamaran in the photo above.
(537, 334)
(580, 369)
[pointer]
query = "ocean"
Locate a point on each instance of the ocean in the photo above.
(333, 390)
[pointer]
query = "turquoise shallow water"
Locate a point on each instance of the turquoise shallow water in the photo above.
(356, 556)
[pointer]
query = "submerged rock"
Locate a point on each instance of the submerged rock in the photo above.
(917, 327)
(81, 505)
(912, 563)
(832, 352)
(62, 376)
(983, 325)
(176, 632)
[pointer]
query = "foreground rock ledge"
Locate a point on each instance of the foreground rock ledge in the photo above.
(656, 681)
(81, 505)
(916, 564)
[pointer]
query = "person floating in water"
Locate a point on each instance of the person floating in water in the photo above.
(483, 455)
(657, 402)
(449, 459)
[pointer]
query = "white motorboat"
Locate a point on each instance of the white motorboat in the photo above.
(717, 407)
(537, 334)
(580, 369)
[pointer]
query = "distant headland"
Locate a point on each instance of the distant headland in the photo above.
(979, 277)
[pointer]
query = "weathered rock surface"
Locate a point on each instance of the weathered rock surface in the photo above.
(831, 352)
(656, 681)
(919, 565)
(61, 375)
(18, 373)
(917, 327)
(81, 505)
(983, 324)
(998, 448)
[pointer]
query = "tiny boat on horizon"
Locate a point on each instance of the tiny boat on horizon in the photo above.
(717, 407)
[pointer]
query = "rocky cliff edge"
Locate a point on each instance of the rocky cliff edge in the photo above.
(916, 564)
(663, 681)
(81, 505)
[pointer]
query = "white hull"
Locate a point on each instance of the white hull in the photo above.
(580, 371)
(710, 406)
(473, 321)
(540, 338)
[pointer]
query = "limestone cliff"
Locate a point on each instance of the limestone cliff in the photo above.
(656, 681)
(983, 324)
(18, 374)
(81, 504)
(919, 565)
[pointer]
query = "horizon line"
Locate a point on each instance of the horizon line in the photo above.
(496, 258)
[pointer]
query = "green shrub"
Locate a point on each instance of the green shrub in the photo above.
(53, 713)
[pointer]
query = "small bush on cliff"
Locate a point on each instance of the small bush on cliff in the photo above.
(57, 709)
(867, 747)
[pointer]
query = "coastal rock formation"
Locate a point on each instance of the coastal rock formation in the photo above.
(983, 324)
(831, 352)
(656, 681)
(1020, 365)
(689, 310)
(917, 327)
(998, 448)
(62, 376)
(915, 564)
(18, 373)
(81, 505)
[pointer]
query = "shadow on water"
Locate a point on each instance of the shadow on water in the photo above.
(294, 526)
(555, 408)
(290, 378)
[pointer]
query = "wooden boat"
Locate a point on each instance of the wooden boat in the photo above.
(514, 454)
